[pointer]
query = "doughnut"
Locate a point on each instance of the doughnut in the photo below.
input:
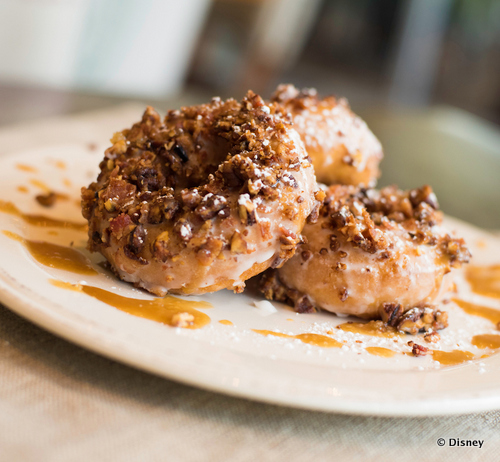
(203, 200)
(371, 254)
(342, 148)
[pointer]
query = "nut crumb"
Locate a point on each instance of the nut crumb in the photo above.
(432, 337)
(47, 200)
(419, 350)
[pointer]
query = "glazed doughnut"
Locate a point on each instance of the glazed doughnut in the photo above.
(371, 254)
(342, 148)
(203, 200)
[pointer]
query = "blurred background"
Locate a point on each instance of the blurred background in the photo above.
(411, 68)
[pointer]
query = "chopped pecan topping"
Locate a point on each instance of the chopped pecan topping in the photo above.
(334, 243)
(361, 217)
(210, 205)
(196, 181)
(391, 313)
(343, 294)
(148, 179)
(129, 253)
(185, 230)
(272, 288)
(161, 248)
(419, 350)
(414, 319)
(209, 251)
(456, 250)
(247, 210)
(137, 239)
(190, 198)
(238, 243)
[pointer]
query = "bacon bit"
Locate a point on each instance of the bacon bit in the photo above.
(119, 193)
(121, 225)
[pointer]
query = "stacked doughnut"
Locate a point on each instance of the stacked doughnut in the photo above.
(202, 200)
(215, 194)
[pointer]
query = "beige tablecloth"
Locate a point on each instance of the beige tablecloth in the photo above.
(59, 402)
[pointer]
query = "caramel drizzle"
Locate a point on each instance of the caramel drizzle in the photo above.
(26, 168)
(163, 310)
(40, 184)
(312, 339)
(40, 220)
(226, 322)
(379, 351)
(372, 328)
(56, 256)
(483, 341)
(478, 310)
(484, 280)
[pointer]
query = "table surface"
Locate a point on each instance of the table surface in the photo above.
(59, 402)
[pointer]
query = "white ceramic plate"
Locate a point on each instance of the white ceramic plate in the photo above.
(232, 359)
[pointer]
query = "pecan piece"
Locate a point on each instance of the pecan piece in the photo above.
(432, 337)
(238, 244)
(160, 247)
(391, 313)
(47, 200)
(419, 350)
(137, 239)
(210, 205)
(246, 210)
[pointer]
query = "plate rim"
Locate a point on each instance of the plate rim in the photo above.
(66, 328)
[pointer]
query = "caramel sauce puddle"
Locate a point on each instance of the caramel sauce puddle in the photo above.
(452, 358)
(162, 310)
(56, 256)
(312, 339)
(478, 310)
(40, 220)
(379, 351)
(484, 280)
(482, 341)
